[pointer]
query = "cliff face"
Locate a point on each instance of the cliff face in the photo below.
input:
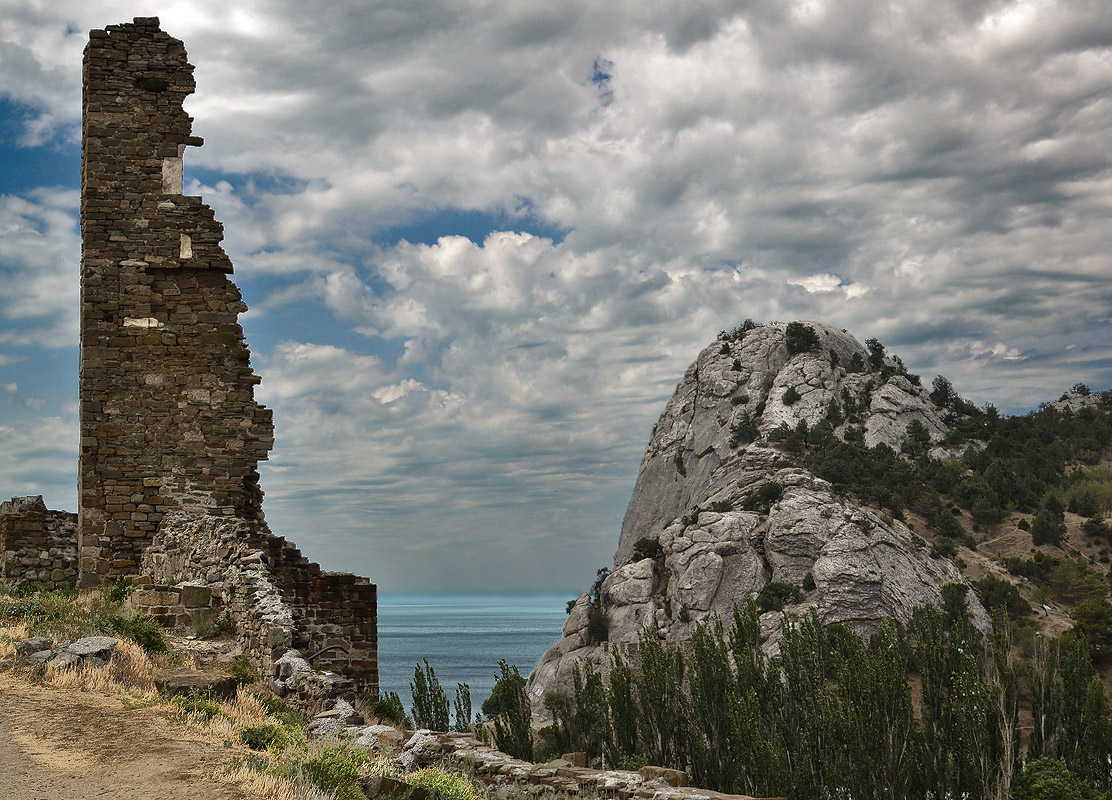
(730, 513)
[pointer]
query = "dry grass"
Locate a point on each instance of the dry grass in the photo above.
(130, 673)
(274, 787)
(284, 772)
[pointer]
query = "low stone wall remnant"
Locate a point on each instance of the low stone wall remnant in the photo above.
(37, 545)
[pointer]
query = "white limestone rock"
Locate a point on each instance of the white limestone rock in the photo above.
(865, 566)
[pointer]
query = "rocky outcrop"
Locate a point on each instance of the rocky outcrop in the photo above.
(42, 651)
(718, 512)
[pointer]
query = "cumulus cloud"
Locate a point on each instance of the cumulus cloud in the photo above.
(39, 458)
(39, 256)
(934, 174)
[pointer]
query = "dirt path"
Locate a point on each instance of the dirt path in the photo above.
(58, 745)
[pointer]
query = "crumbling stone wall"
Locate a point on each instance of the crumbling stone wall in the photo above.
(168, 416)
(171, 435)
(37, 545)
(281, 601)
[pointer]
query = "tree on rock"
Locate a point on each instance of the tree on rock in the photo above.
(800, 338)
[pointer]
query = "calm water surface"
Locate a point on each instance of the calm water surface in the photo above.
(463, 637)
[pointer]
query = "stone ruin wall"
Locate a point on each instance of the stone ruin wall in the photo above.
(168, 416)
(37, 545)
(280, 600)
(171, 434)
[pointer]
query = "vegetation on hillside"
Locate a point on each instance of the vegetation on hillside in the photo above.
(833, 714)
(277, 757)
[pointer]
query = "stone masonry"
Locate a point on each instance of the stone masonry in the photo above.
(36, 545)
(168, 416)
(171, 435)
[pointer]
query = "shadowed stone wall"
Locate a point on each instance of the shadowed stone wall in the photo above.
(171, 435)
(168, 416)
(37, 545)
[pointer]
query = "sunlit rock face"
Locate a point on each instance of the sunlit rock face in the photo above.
(710, 450)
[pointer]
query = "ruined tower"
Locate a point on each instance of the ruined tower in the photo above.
(171, 435)
(168, 416)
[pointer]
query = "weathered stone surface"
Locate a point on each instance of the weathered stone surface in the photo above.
(865, 567)
(171, 435)
(96, 646)
(66, 660)
(33, 645)
(196, 596)
(37, 545)
(379, 786)
(38, 658)
(673, 777)
(379, 736)
(174, 682)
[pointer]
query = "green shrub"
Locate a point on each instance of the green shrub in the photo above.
(1073, 580)
(1093, 620)
(647, 548)
(943, 549)
(430, 704)
(1097, 527)
(999, 593)
(763, 498)
(198, 704)
(743, 431)
(262, 736)
(243, 672)
(876, 353)
(800, 338)
(1050, 779)
(118, 590)
(1047, 528)
(512, 715)
(1037, 569)
(598, 624)
(335, 769)
(142, 630)
(677, 459)
(463, 707)
(777, 594)
(442, 786)
(791, 396)
(388, 708)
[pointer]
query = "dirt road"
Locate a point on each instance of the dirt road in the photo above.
(60, 745)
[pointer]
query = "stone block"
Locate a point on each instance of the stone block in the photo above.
(195, 596)
(173, 682)
(673, 777)
(575, 759)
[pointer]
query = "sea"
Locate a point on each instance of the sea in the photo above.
(463, 636)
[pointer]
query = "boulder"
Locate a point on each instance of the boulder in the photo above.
(673, 777)
(100, 647)
(379, 736)
(34, 644)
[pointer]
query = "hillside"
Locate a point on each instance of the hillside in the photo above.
(797, 466)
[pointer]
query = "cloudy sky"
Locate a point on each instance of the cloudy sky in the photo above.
(481, 241)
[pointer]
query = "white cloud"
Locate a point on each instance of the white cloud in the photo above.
(935, 174)
(39, 257)
(39, 458)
